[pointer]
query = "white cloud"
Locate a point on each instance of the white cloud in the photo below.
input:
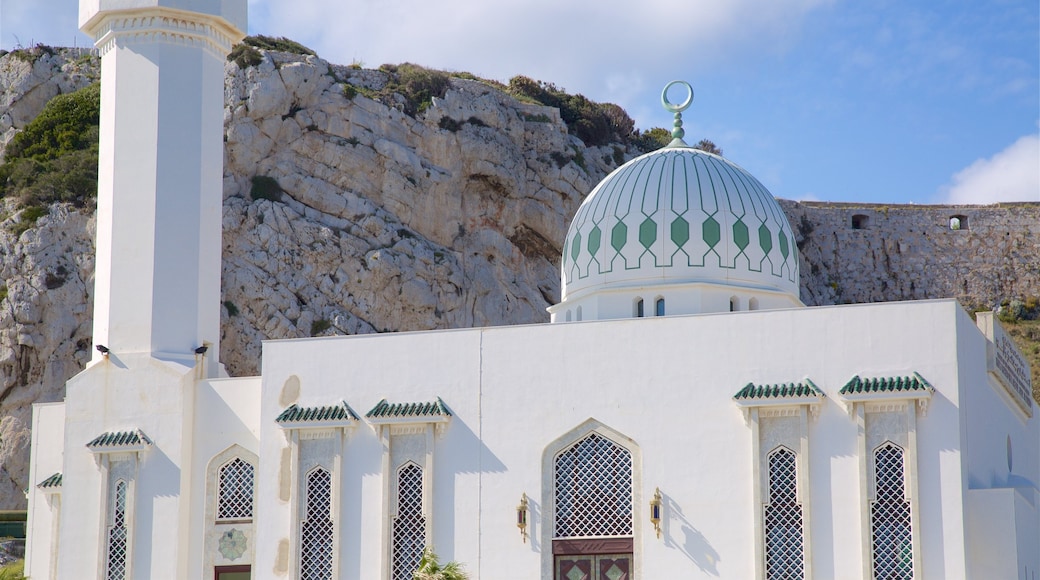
(1011, 175)
(606, 49)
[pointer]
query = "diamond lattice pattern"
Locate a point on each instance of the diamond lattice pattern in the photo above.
(116, 569)
(890, 517)
(410, 523)
(593, 489)
(316, 530)
(235, 500)
(783, 519)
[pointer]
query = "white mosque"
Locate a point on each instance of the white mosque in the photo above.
(684, 415)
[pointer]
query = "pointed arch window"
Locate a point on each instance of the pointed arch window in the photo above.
(235, 491)
(410, 523)
(639, 313)
(316, 529)
(659, 307)
(115, 568)
(891, 528)
(593, 489)
(783, 518)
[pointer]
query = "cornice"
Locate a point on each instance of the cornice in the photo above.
(160, 24)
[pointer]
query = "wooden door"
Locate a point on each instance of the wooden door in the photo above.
(594, 567)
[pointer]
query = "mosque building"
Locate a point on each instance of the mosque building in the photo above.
(683, 416)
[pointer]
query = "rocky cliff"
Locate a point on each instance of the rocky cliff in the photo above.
(343, 214)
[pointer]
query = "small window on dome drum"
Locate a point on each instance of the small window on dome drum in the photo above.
(659, 307)
(568, 318)
(639, 308)
(578, 312)
(860, 221)
(734, 304)
(752, 304)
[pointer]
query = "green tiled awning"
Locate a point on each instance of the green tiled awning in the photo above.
(387, 410)
(331, 415)
(52, 483)
(410, 415)
(778, 396)
(803, 389)
(914, 384)
(118, 441)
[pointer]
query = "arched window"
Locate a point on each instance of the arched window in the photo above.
(410, 523)
(892, 544)
(593, 489)
(659, 307)
(116, 557)
(752, 304)
(639, 308)
(568, 318)
(316, 528)
(578, 311)
(734, 304)
(591, 475)
(783, 518)
(235, 491)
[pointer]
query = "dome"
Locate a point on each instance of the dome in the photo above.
(680, 217)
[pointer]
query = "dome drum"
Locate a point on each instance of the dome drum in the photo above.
(675, 299)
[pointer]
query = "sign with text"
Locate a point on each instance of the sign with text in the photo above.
(1006, 363)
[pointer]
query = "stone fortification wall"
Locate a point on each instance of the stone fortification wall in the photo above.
(854, 253)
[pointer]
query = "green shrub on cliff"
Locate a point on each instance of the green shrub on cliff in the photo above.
(594, 123)
(55, 157)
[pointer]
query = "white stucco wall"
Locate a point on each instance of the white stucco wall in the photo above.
(123, 394)
(1001, 467)
(227, 414)
(48, 427)
(668, 384)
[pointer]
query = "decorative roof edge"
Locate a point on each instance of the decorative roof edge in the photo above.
(789, 395)
(120, 442)
(784, 393)
(51, 484)
(331, 416)
(909, 387)
(890, 389)
(427, 412)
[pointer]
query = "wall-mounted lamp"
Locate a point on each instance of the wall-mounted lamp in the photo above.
(521, 517)
(655, 511)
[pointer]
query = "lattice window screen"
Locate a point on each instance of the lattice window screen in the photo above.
(890, 517)
(410, 523)
(235, 498)
(593, 489)
(783, 519)
(316, 529)
(116, 560)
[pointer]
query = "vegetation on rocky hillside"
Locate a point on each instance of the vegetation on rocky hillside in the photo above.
(246, 54)
(55, 157)
(1021, 320)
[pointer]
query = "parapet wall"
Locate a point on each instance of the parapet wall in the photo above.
(854, 253)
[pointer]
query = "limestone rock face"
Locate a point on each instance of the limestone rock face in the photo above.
(382, 222)
(388, 222)
(47, 274)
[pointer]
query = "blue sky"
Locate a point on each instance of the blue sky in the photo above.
(838, 100)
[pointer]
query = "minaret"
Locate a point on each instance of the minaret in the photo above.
(157, 275)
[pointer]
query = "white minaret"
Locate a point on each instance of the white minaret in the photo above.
(133, 504)
(157, 278)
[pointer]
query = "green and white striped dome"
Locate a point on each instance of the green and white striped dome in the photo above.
(675, 216)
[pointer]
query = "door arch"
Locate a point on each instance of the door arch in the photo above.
(591, 497)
